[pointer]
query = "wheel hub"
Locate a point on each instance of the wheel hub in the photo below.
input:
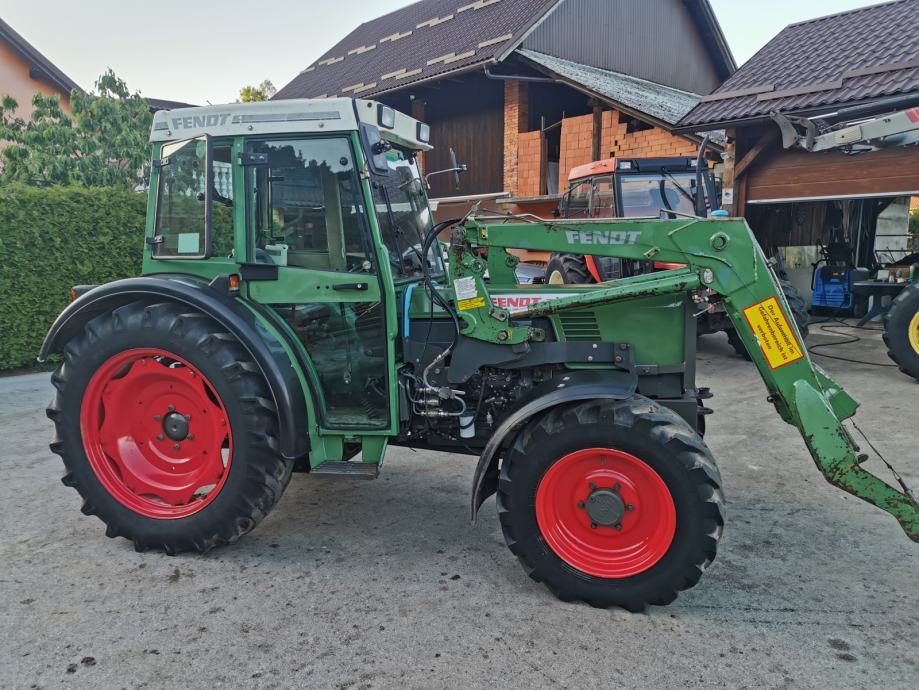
(141, 447)
(605, 507)
(605, 512)
(175, 426)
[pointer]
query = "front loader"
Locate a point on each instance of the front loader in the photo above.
(295, 314)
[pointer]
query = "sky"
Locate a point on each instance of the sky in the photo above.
(205, 51)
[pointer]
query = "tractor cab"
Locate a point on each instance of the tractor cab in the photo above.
(636, 188)
(318, 209)
(630, 188)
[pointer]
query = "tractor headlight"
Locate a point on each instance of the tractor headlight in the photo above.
(423, 133)
(386, 116)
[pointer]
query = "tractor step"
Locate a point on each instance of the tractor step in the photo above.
(354, 470)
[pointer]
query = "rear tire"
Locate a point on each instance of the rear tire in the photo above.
(798, 311)
(661, 467)
(167, 493)
(901, 330)
(568, 269)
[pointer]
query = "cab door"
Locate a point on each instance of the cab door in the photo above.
(311, 259)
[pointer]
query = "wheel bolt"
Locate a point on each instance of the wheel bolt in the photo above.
(176, 446)
(592, 486)
(617, 486)
(156, 418)
(630, 507)
(191, 437)
(593, 525)
(159, 437)
(172, 408)
(188, 418)
(618, 526)
(581, 505)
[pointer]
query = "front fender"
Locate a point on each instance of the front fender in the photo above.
(569, 387)
(264, 348)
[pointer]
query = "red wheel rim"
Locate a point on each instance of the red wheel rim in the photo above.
(134, 412)
(635, 531)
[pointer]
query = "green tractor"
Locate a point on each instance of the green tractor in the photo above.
(295, 314)
(671, 187)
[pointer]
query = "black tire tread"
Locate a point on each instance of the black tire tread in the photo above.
(573, 268)
(896, 325)
(642, 415)
(268, 473)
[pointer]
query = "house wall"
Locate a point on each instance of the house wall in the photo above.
(16, 82)
(656, 40)
(466, 114)
(577, 143)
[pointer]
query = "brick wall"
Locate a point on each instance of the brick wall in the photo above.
(531, 164)
(577, 143)
(516, 117)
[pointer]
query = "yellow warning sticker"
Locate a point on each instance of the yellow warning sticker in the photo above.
(472, 303)
(776, 336)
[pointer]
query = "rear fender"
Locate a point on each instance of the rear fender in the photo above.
(264, 348)
(569, 387)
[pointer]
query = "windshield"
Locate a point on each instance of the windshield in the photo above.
(404, 216)
(653, 195)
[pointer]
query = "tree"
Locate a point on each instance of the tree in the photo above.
(104, 143)
(262, 92)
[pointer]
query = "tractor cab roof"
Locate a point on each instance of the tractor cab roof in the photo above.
(632, 165)
(294, 116)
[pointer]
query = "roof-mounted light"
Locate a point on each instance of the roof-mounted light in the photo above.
(625, 165)
(423, 133)
(386, 116)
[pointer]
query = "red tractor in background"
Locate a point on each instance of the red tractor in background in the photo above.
(643, 188)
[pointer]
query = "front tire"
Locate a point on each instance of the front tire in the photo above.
(166, 429)
(615, 503)
(901, 330)
(568, 269)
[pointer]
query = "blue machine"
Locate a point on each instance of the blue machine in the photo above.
(833, 288)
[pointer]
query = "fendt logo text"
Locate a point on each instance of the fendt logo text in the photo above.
(601, 236)
(198, 121)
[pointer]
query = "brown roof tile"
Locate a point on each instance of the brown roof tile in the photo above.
(843, 58)
(417, 42)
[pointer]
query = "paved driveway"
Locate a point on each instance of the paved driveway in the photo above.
(385, 584)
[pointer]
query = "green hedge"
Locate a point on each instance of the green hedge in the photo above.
(51, 239)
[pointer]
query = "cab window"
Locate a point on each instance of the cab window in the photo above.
(188, 220)
(305, 206)
(578, 200)
(404, 217)
(181, 201)
(603, 203)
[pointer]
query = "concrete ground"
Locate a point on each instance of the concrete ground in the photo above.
(384, 584)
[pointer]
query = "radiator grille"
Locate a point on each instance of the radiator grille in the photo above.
(579, 325)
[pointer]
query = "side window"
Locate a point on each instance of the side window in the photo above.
(181, 203)
(222, 239)
(579, 200)
(603, 202)
(305, 206)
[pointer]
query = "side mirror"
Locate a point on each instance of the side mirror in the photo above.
(374, 149)
(457, 168)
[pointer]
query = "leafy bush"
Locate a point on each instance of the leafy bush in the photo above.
(51, 239)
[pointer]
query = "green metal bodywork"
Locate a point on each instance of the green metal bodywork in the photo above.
(648, 311)
(720, 255)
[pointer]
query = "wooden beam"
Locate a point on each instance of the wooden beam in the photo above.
(597, 130)
(764, 142)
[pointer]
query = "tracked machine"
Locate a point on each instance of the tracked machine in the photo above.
(295, 314)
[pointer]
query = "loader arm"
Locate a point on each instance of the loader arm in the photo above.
(718, 254)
